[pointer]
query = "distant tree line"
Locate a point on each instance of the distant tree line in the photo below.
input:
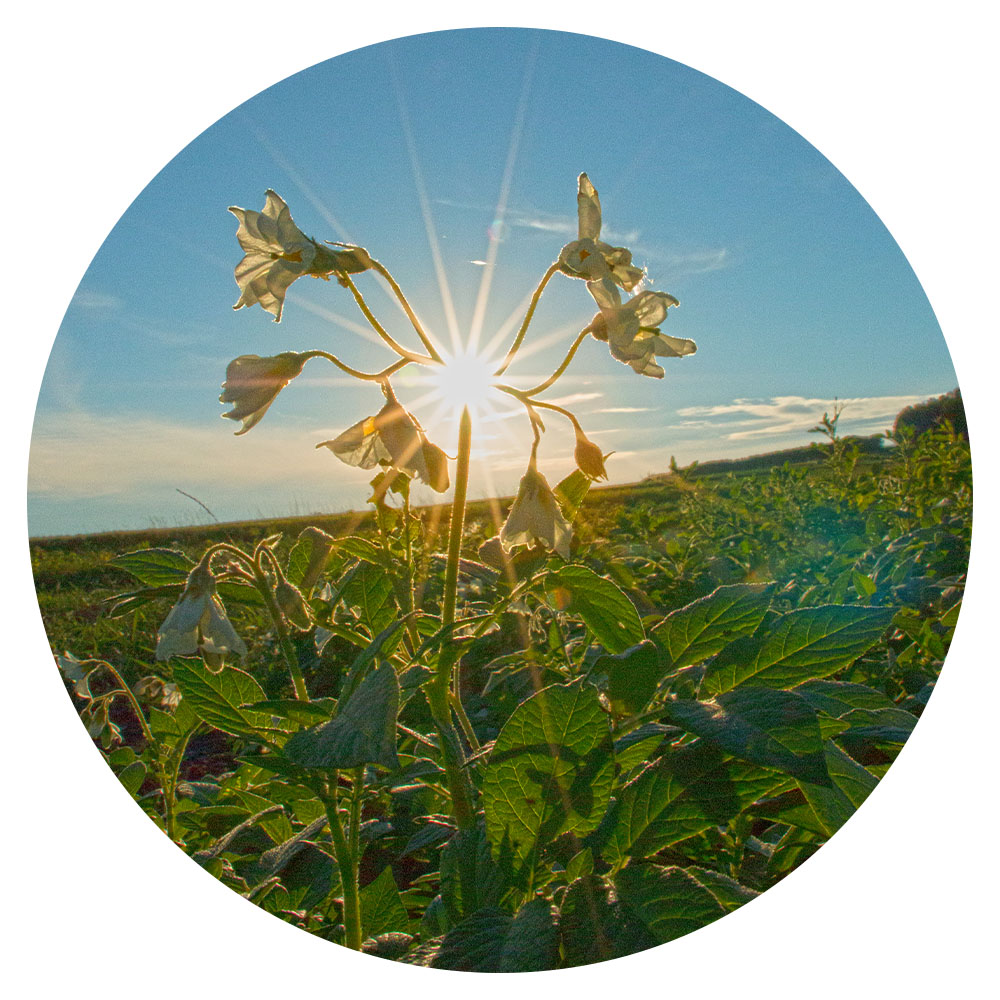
(923, 416)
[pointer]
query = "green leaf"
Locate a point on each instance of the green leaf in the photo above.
(632, 676)
(776, 729)
(602, 605)
(369, 592)
(383, 644)
(730, 893)
(133, 776)
(219, 699)
(360, 548)
(864, 585)
(240, 593)
(833, 806)
(594, 927)
(493, 941)
(156, 567)
(362, 732)
(803, 644)
(382, 910)
(550, 770)
(702, 628)
(681, 794)
(571, 492)
(470, 879)
(669, 902)
(837, 698)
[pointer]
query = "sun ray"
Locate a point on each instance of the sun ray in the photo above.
(500, 213)
(425, 210)
(365, 332)
(507, 327)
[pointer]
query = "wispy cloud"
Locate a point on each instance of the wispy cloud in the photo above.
(95, 301)
(625, 409)
(780, 415)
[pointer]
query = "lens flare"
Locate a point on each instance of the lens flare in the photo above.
(464, 380)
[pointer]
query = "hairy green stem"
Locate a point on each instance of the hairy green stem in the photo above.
(519, 339)
(347, 864)
(440, 689)
(287, 649)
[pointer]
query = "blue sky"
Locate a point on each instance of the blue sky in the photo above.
(791, 286)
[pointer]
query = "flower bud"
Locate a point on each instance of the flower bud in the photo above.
(292, 604)
(589, 457)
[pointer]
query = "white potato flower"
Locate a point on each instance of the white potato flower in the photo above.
(198, 623)
(392, 438)
(589, 258)
(276, 252)
(631, 329)
(535, 515)
(253, 383)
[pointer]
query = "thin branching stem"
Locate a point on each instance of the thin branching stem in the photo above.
(542, 386)
(421, 359)
(519, 339)
(410, 315)
(287, 649)
(354, 373)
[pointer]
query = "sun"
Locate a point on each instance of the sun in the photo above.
(464, 380)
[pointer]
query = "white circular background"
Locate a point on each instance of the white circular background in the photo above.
(100, 96)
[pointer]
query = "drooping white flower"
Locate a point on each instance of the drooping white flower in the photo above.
(589, 258)
(631, 329)
(392, 438)
(253, 383)
(535, 515)
(198, 622)
(277, 252)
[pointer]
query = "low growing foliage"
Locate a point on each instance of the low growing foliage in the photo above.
(598, 729)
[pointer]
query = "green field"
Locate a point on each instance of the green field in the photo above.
(648, 735)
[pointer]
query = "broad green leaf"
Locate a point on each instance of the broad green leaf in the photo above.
(274, 860)
(369, 592)
(133, 776)
(864, 585)
(837, 698)
(240, 593)
(700, 629)
(802, 645)
(602, 605)
(382, 910)
(776, 729)
(550, 770)
(640, 745)
(571, 492)
(156, 567)
(219, 699)
(593, 926)
(360, 548)
(362, 732)
(125, 604)
(493, 941)
(852, 784)
(730, 893)
(383, 644)
(470, 879)
(670, 902)
(632, 676)
(299, 713)
(683, 793)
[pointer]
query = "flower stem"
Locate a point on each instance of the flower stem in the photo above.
(287, 649)
(439, 690)
(347, 863)
(410, 315)
(364, 376)
(519, 339)
(457, 517)
(542, 386)
(422, 359)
